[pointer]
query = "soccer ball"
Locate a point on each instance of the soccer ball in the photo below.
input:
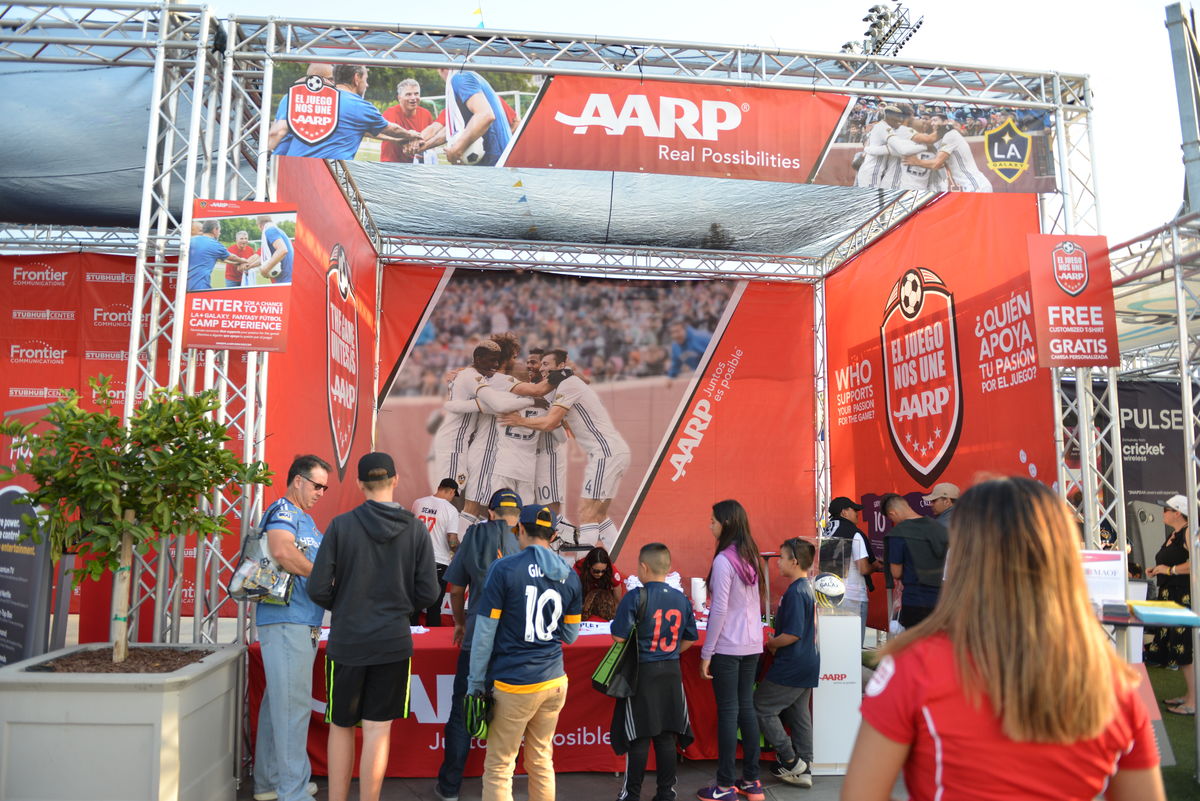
(911, 294)
(275, 272)
(829, 590)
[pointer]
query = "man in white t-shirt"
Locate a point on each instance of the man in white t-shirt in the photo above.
(441, 520)
(843, 522)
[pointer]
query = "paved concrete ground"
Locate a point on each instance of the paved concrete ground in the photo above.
(591, 787)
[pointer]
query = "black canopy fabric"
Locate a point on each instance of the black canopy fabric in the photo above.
(73, 150)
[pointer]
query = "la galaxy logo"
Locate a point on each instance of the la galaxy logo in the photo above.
(341, 318)
(312, 110)
(1008, 150)
(921, 379)
(1069, 261)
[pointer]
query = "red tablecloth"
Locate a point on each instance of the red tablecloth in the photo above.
(582, 742)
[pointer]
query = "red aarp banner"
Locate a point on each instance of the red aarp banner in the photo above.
(587, 123)
(320, 395)
(932, 360)
(1072, 295)
(239, 275)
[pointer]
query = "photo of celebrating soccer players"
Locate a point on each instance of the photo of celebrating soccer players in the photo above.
(559, 388)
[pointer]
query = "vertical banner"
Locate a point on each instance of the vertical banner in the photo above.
(1152, 420)
(320, 396)
(24, 582)
(932, 358)
(239, 275)
(1072, 295)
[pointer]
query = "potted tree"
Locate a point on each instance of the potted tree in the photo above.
(104, 488)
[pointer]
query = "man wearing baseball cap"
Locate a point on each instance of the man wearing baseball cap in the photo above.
(374, 568)
(941, 500)
(843, 523)
(531, 603)
(482, 544)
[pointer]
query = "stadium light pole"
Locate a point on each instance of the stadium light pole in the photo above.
(889, 30)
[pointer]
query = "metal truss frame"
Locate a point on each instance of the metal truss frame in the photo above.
(208, 127)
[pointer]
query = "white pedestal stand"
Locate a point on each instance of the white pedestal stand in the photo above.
(838, 694)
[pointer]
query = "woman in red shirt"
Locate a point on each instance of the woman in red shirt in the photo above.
(1010, 689)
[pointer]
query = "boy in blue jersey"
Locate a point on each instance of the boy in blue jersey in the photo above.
(482, 544)
(657, 711)
(783, 696)
(288, 637)
(530, 605)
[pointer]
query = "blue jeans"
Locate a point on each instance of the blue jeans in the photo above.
(281, 752)
(860, 607)
(733, 687)
(455, 740)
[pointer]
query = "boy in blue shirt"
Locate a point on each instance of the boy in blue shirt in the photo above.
(531, 604)
(657, 711)
(783, 696)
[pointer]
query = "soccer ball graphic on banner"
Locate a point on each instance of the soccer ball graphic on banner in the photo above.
(911, 294)
(275, 271)
(829, 590)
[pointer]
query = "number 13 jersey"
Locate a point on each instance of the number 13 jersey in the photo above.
(668, 621)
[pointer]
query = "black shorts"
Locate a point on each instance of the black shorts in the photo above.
(366, 692)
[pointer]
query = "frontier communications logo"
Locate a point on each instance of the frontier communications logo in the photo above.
(38, 274)
(36, 352)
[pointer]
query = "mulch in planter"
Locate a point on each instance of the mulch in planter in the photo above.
(140, 660)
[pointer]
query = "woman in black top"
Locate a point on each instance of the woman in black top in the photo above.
(1172, 647)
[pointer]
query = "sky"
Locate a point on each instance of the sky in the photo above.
(1121, 44)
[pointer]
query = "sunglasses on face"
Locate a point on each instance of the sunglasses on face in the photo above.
(321, 487)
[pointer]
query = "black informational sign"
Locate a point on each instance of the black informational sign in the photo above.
(1152, 453)
(24, 583)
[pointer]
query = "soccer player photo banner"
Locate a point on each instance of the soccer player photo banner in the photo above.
(1073, 298)
(621, 404)
(407, 115)
(239, 275)
(932, 357)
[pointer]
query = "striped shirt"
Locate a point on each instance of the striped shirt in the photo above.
(589, 420)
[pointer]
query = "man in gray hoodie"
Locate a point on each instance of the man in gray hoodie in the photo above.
(374, 568)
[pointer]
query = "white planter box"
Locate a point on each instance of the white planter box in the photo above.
(126, 736)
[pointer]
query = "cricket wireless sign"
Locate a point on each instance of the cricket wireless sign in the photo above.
(922, 381)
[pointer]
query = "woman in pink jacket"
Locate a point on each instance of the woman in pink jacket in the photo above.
(732, 646)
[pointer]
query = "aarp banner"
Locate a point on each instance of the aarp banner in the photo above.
(586, 123)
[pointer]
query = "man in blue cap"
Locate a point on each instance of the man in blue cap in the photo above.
(530, 606)
(481, 545)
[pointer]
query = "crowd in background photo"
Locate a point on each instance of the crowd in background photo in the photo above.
(617, 331)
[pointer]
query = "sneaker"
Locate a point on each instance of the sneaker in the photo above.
(804, 780)
(440, 796)
(715, 792)
(753, 790)
(790, 774)
(271, 795)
